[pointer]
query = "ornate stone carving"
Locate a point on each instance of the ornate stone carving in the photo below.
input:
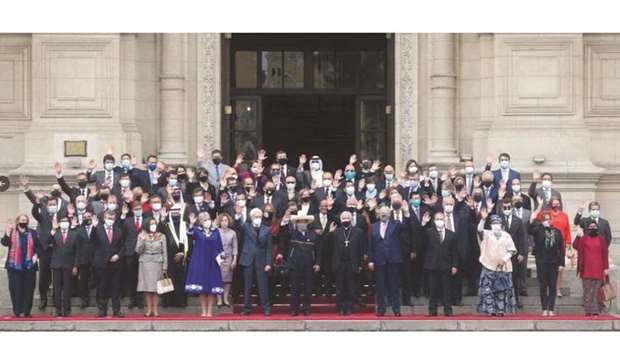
(208, 122)
(406, 97)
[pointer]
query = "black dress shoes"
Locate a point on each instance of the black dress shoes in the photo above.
(380, 313)
(294, 313)
(245, 313)
(267, 313)
(84, 303)
(102, 314)
(43, 303)
(396, 313)
(118, 314)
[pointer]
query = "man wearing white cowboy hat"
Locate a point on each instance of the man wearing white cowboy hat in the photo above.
(303, 257)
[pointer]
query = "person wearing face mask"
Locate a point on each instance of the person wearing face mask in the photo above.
(348, 192)
(411, 185)
(322, 221)
(549, 251)
(201, 181)
(306, 203)
(172, 184)
(346, 260)
(215, 168)
(72, 192)
(154, 172)
(285, 168)
(489, 190)
(21, 263)
(271, 197)
(386, 179)
(156, 207)
(291, 191)
(385, 258)
(560, 220)
(370, 190)
(138, 177)
(64, 263)
(108, 176)
(419, 281)
(44, 212)
(151, 248)
(131, 226)
(592, 265)
(326, 189)
(313, 178)
(594, 209)
(440, 262)
(496, 251)
(518, 192)
(197, 205)
(231, 251)
(124, 186)
(433, 183)
(302, 248)
(519, 210)
(400, 213)
(544, 193)
(505, 173)
(86, 253)
(204, 275)
(470, 176)
(255, 259)
(107, 262)
(349, 175)
(513, 225)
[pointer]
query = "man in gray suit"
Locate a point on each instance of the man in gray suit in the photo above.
(595, 215)
(108, 176)
(215, 168)
(255, 259)
(545, 191)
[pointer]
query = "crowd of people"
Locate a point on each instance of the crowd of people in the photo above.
(216, 230)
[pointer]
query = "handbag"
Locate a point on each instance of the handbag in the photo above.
(165, 285)
(606, 293)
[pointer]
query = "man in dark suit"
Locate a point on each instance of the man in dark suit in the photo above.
(302, 247)
(386, 178)
(255, 259)
(514, 226)
(411, 186)
(86, 253)
(270, 197)
(285, 168)
(64, 263)
(72, 192)
(440, 262)
(489, 190)
(460, 219)
(505, 173)
(321, 224)
(418, 209)
(385, 259)
(472, 180)
(400, 214)
(108, 176)
(346, 263)
(347, 193)
(137, 176)
(595, 215)
(131, 225)
(546, 191)
(109, 245)
(327, 190)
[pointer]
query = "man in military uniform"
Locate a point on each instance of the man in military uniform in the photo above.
(303, 257)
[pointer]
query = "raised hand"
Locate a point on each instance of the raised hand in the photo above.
(10, 226)
(262, 155)
(452, 171)
(426, 218)
(444, 177)
(353, 159)
(540, 201)
(200, 153)
(372, 203)
(484, 213)
(191, 173)
(58, 168)
(337, 176)
(239, 159)
(490, 204)
(361, 184)
(95, 220)
(375, 165)
(124, 209)
(164, 214)
(71, 209)
(92, 164)
(489, 160)
(536, 176)
(332, 227)
(193, 218)
(579, 231)
(24, 181)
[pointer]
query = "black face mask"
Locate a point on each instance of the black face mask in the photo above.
(268, 216)
(203, 178)
(55, 193)
(346, 224)
(176, 197)
(248, 188)
(22, 225)
(216, 161)
(305, 199)
(104, 196)
(182, 176)
(282, 161)
(88, 221)
(593, 232)
(397, 205)
(269, 192)
(487, 183)
(82, 184)
(477, 197)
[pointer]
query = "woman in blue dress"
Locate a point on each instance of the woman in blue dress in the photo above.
(204, 276)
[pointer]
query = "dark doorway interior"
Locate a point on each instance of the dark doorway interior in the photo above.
(321, 125)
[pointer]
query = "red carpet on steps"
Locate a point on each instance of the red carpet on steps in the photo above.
(257, 315)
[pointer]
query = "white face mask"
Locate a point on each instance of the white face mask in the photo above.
(206, 224)
(327, 183)
(153, 228)
(156, 206)
(173, 182)
(546, 223)
(469, 170)
(256, 222)
(241, 203)
(389, 176)
(440, 223)
(448, 208)
(413, 169)
(350, 190)
(81, 206)
(516, 188)
(505, 164)
(546, 183)
(109, 222)
(370, 187)
(126, 163)
(496, 228)
(52, 209)
(112, 206)
(198, 199)
(290, 187)
(125, 183)
(433, 174)
(64, 225)
(108, 166)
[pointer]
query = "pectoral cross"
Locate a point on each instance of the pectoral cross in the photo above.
(346, 243)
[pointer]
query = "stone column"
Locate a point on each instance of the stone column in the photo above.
(172, 142)
(443, 98)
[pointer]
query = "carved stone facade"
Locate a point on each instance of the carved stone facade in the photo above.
(553, 97)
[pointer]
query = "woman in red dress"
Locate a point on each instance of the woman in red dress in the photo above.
(592, 265)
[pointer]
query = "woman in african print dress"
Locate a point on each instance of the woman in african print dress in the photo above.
(496, 248)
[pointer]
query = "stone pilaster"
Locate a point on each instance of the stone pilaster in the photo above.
(406, 98)
(172, 142)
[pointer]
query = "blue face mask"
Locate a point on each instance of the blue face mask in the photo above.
(416, 203)
(349, 175)
(152, 166)
(445, 194)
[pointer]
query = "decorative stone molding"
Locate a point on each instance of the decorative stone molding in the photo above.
(208, 128)
(538, 74)
(602, 79)
(15, 78)
(406, 98)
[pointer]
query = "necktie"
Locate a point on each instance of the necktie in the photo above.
(137, 223)
(64, 237)
(417, 212)
(108, 179)
(323, 221)
(449, 223)
(383, 228)
(354, 219)
(109, 233)
(217, 172)
(268, 199)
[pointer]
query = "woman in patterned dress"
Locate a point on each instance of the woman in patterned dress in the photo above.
(204, 276)
(229, 242)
